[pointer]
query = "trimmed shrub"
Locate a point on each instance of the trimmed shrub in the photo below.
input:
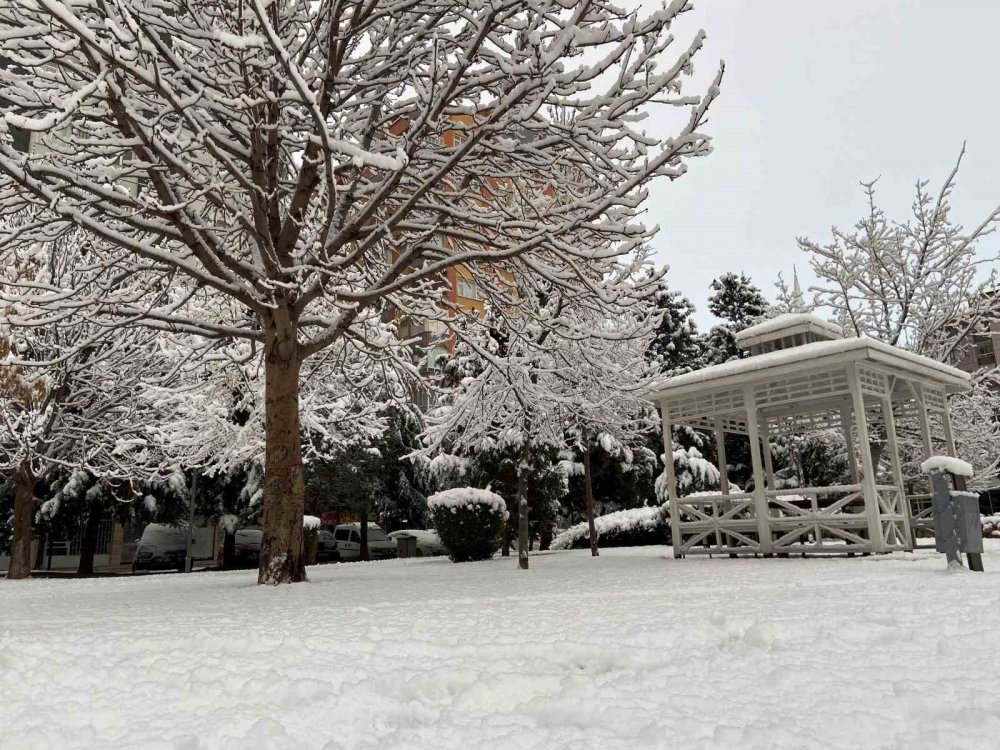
(991, 526)
(469, 522)
(635, 527)
(310, 539)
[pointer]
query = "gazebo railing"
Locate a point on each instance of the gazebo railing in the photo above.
(818, 519)
(891, 510)
(921, 520)
(717, 523)
(830, 519)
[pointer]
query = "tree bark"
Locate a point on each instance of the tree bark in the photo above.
(522, 506)
(545, 538)
(229, 550)
(588, 493)
(364, 533)
(24, 501)
(505, 535)
(281, 559)
(88, 544)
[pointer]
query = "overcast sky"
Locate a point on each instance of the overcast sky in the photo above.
(817, 96)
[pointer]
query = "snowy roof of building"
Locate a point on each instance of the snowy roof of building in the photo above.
(787, 325)
(817, 356)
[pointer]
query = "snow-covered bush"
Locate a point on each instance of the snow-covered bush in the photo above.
(991, 525)
(310, 538)
(469, 522)
(625, 528)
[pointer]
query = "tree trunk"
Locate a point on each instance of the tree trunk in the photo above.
(284, 481)
(505, 536)
(88, 544)
(588, 493)
(24, 501)
(364, 534)
(40, 554)
(229, 550)
(545, 538)
(522, 507)
(877, 447)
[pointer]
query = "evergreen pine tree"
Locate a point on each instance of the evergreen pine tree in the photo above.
(736, 300)
(677, 346)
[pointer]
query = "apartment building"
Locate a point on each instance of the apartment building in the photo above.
(980, 350)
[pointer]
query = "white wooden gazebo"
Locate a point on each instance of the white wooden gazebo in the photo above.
(802, 375)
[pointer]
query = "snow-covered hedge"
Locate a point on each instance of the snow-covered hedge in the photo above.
(624, 528)
(310, 523)
(991, 525)
(469, 522)
(310, 538)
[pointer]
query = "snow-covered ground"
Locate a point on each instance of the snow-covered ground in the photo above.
(628, 650)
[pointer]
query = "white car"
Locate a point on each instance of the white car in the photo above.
(428, 542)
(348, 539)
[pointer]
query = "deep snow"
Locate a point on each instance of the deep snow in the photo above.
(630, 649)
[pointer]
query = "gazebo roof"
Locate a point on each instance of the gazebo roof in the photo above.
(788, 324)
(816, 356)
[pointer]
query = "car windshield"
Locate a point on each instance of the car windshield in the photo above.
(249, 535)
(375, 534)
(162, 534)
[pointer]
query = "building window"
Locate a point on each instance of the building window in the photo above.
(984, 348)
(468, 288)
(22, 139)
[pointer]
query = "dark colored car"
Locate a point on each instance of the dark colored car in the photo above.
(160, 548)
(248, 547)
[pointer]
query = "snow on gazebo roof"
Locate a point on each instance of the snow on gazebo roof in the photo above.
(786, 325)
(818, 355)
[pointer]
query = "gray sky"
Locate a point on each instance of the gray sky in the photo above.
(817, 96)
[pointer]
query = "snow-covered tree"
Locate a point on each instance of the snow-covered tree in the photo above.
(694, 472)
(606, 384)
(403, 487)
(924, 284)
(739, 303)
(322, 165)
(676, 347)
(512, 402)
(571, 370)
(71, 392)
(736, 300)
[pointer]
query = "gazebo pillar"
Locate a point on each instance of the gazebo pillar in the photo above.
(949, 438)
(925, 425)
(720, 451)
(668, 463)
(765, 441)
(847, 425)
(759, 498)
(897, 469)
(867, 465)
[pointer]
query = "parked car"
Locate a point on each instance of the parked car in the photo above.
(428, 542)
(248, 547)
(348, 539)
(327, 549)
(161, 547)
